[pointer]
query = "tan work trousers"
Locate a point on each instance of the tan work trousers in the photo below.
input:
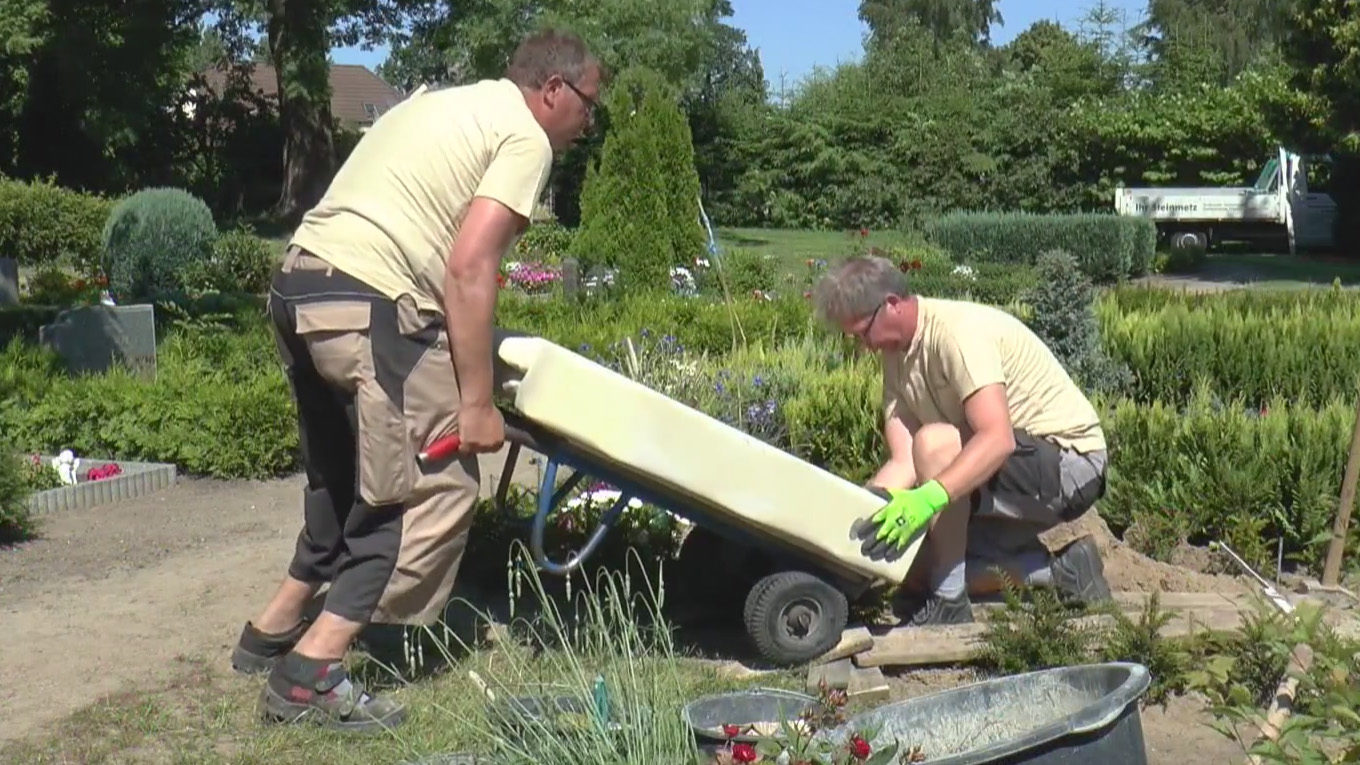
(374, 384)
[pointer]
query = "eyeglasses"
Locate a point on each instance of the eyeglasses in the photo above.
(869, 325)
(590, 103)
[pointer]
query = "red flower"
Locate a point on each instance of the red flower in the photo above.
(807, 295)
(864, 232)
(743, 753)
(731, 731)
(859, 748)
(80, 284)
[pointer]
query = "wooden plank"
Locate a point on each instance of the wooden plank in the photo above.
(853, 641)
(955, 644)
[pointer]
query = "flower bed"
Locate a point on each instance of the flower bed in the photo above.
(100, 482)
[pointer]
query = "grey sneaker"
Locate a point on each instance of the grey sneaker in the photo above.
(301, 689)
(1079, 574)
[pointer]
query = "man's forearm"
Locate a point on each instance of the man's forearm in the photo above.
(981, 457)
(469, 311)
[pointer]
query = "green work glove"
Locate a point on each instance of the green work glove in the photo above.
(908, 512)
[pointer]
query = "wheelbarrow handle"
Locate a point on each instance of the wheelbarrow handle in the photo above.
(447, 446)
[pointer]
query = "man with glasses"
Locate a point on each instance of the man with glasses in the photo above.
(383, 315)
(990, 444)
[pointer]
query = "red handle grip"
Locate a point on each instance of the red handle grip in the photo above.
(441, 448)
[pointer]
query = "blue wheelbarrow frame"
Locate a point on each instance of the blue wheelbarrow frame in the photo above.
(830, 586)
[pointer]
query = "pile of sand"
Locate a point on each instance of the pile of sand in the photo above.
(1130, 571)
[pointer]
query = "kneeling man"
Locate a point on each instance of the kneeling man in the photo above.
(990, 441)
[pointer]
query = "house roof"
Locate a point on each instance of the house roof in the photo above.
(358, 96)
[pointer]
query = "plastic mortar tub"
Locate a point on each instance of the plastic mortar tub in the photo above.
(1082, 714)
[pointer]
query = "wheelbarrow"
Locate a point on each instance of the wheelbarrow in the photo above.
(792, 517)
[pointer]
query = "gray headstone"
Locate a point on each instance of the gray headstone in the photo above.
(9, 281)
(571, 276)
(95, 338)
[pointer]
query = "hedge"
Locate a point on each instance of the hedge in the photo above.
(41, 222)
(1109, 248)
(1303, 345)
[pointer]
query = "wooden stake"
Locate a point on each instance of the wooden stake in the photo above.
(1331, 570)
(1300, 661)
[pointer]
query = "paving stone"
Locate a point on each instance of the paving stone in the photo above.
(836, 674)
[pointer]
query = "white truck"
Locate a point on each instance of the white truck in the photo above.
(1289, 201)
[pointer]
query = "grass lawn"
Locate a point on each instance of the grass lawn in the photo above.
(797, 244)
(207, 715)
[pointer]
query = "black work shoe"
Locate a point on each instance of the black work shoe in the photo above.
(1079, 574)
(937, 611)
(257, 651)
(301, 689)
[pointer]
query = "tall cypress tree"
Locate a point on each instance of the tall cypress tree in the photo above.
(639, 203)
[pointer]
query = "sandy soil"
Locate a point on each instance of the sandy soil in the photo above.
(117, 598)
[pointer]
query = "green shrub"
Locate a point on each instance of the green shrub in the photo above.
(700, 325)
(1299, 344)
(1062, 302)
(834, 420)
(1107, 247)
(154, 240)
(16, 519)
(1144, 239)
(743, 271)
(640, 202)
(218, 407)
(24, 321)
(43, 223)
(544, 242)
(1246, 475)
(996, 284)
(240, 262)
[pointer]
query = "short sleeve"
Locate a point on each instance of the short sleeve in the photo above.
(518, 171)
(970, 359)
(892, 396)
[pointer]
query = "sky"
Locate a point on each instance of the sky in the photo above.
(796, 36)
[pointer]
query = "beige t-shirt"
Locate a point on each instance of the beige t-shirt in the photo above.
(393, 210)
(962, 346)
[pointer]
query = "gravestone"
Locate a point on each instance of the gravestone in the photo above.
(96, 337)
(571, 276)
(9, 282)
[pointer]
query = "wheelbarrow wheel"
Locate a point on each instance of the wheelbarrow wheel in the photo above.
(793, 617)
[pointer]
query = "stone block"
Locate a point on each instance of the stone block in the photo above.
(9, 282)
(571, 276)
(138, 479)
(836, 674)
(868, 684)
(91, 339)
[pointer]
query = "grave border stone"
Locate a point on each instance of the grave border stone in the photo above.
(138, 479)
